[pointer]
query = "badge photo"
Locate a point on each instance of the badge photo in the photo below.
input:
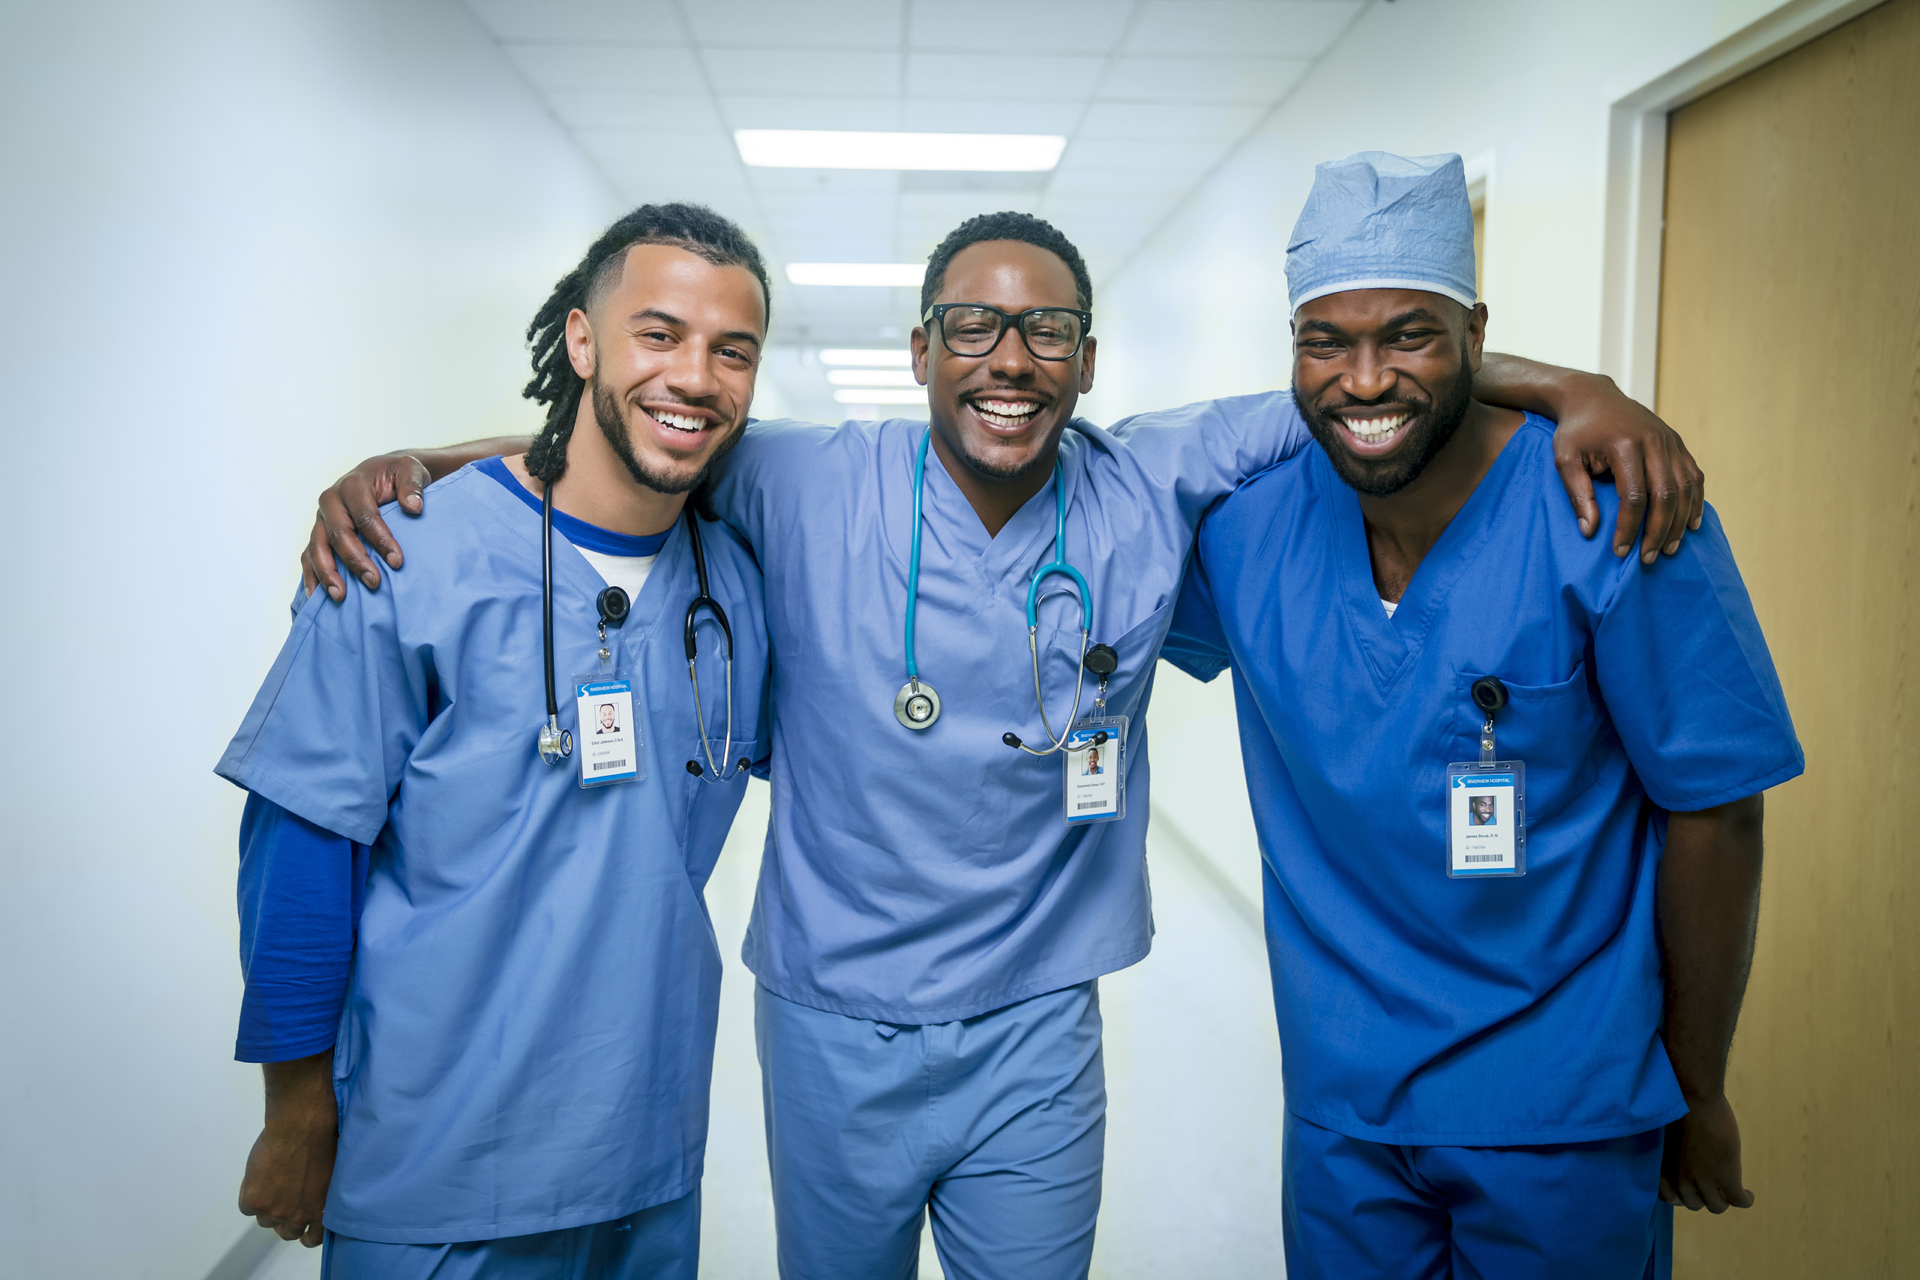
(1096, 773)
(608, 737)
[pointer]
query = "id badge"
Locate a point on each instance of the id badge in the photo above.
(1096, 757)
(1487, 818)
(608, 739)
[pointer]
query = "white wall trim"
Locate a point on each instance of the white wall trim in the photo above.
(1636, 177)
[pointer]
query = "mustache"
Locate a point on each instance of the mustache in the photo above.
(1399, 400)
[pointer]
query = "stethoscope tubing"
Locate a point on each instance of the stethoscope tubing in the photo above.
(703, 600)
(913, 555)
(1058, 565)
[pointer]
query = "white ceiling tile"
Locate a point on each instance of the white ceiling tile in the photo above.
(929, 115)
(685, 181)
(1165, 154)
(1273, 28)
(1209, 121)
(639, 112)
(647, 21)
(836, 244)
(628, 68)
(775, 112)
(1093, 215)
(1248, 80)
(957, 77)
(789, 185)
(1091, 26)
(1118, 184)
(666, 151)
(783, 24)
(824, 73)
(713, 190)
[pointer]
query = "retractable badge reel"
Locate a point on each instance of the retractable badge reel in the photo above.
(1487, 800)
(1096, 752)
(610, 746)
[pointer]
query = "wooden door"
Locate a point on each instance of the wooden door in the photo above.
(1790, 358)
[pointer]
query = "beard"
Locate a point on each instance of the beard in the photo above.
(1432, 424)
(613, 426)
(956, 440)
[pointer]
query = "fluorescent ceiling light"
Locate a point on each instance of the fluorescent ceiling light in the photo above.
(871, 378)
(902, 274)
(880, 395)
(873, 357)
(835, 149)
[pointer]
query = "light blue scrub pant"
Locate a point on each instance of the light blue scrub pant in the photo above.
(1352, 1209)
(994, 1125)
(661, 1243)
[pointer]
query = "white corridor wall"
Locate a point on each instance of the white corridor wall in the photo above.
(242, 244)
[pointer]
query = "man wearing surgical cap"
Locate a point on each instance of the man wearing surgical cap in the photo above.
(1492, 1067)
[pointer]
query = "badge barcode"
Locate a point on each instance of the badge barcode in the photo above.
(1090, 804)
(609, 764)
(1483, 857)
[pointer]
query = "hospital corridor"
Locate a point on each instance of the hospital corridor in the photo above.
(962, 639)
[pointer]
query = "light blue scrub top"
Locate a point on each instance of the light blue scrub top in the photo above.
(528, 1040)
(914, 877)
(1503, 1011)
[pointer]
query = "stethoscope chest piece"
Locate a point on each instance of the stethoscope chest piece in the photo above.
(555, 744)
(916, 706)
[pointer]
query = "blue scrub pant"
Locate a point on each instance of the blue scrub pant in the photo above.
(1352, 1209)
(661, 1243)
(994, 1125)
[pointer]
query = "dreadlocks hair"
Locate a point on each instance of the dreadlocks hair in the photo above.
(693, 227)
(1023, 227)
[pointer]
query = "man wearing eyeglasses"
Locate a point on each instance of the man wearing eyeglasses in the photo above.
(927, 1014)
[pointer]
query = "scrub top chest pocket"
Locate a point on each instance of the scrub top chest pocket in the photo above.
(1518, 753)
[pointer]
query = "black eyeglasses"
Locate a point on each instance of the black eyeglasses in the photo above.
(975, 329)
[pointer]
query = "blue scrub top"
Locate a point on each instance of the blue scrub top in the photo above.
(916, 877)
(528, 1040)
(1506, 1011)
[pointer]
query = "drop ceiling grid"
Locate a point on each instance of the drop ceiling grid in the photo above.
(1151, 95)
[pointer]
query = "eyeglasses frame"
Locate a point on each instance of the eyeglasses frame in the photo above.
(937, 314)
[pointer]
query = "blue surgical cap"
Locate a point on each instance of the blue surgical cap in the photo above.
(1381, 221)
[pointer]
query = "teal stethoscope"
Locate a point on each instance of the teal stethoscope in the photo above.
(917, 706)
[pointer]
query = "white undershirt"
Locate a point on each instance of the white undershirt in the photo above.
(1389, 606)
(629, 573)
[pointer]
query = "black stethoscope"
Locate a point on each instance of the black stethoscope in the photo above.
(556, 743)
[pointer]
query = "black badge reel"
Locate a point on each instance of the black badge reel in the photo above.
(1487, 799)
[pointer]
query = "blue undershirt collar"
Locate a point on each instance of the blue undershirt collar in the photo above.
(588, 537)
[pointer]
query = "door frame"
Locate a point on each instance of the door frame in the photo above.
(1637, 176)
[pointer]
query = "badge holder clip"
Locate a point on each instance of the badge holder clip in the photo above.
(612, 748)
(1487, 801)
(1096, 753)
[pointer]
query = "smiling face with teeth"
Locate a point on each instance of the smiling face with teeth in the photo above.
(669, 348)
(1384, 378)
(997, 418)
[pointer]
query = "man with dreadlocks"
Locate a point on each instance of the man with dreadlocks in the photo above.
(490, 975)
(927, 952)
